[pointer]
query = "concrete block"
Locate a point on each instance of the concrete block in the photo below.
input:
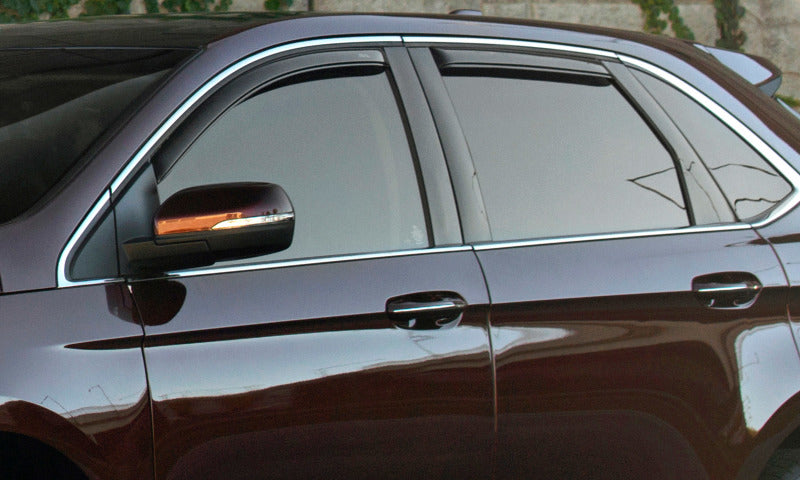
(246, 6)
(471, 4)
(507, 9)
(138, 7)
(435, 6)
(616, 15)
(299, 6)
(74, 11)
(335, 5)
(780, 12)
(411, 6)
(371, 6)
(699, 17)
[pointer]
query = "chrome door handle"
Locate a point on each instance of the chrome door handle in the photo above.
(726, 290)
(426, 310)
(736, 287)
(421, 309)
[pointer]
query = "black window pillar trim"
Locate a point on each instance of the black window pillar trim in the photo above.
(437, 189)
(471, 210)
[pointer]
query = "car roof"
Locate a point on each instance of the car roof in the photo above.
(200, 29)
(136, 31)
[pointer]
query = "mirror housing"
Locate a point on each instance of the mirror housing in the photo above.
(201, 225)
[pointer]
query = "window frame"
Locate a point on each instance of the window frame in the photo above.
(429, 177)
(473, 53)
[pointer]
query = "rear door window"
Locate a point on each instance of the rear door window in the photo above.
(563, 153)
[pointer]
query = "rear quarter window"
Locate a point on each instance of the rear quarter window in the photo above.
(751, 185)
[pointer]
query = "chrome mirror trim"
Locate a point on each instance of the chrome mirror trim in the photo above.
(250, 221)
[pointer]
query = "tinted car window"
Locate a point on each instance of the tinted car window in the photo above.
(56, 103)
(337, 145)
(751, 185)
(564, 155)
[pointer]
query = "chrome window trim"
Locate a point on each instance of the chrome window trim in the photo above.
(759, 145)
(608, 236)
(509, 43)
(141, 154)
(315, 261)
(62, 280)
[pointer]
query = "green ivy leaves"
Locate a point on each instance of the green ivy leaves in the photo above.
(274, 5)
(728, 14)
(12, 11)
(654, 10)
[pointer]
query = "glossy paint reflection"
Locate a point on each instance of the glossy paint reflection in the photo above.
(611, 364)
(250, 380)
(351, 392)
(299, 358)
(769, 372)
(72, 389)
(663, 383)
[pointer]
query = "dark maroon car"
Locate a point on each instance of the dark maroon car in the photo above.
(244, 246)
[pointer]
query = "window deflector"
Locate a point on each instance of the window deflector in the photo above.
(249, 84)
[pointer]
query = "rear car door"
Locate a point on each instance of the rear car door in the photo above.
(638, 322)
(361, 351)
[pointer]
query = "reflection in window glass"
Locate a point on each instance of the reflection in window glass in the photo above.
(56, 103)
(750, 184)
(564, 158)
(338, 148)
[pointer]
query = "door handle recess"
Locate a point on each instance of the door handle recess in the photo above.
(426, 310)
(727, 290)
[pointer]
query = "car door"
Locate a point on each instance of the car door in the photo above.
(361, 351)
(639, 326)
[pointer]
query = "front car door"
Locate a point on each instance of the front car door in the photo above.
(638, 323)
(362, 351)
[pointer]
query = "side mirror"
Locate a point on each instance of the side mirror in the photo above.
(202, 225)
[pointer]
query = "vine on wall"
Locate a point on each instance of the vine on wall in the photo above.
(654, 22)
(13, 11)
(728, 14)
(275, 5)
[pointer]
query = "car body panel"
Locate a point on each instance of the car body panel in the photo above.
(298, 371)
(603, 346)
(607, 364)
(78, 381)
